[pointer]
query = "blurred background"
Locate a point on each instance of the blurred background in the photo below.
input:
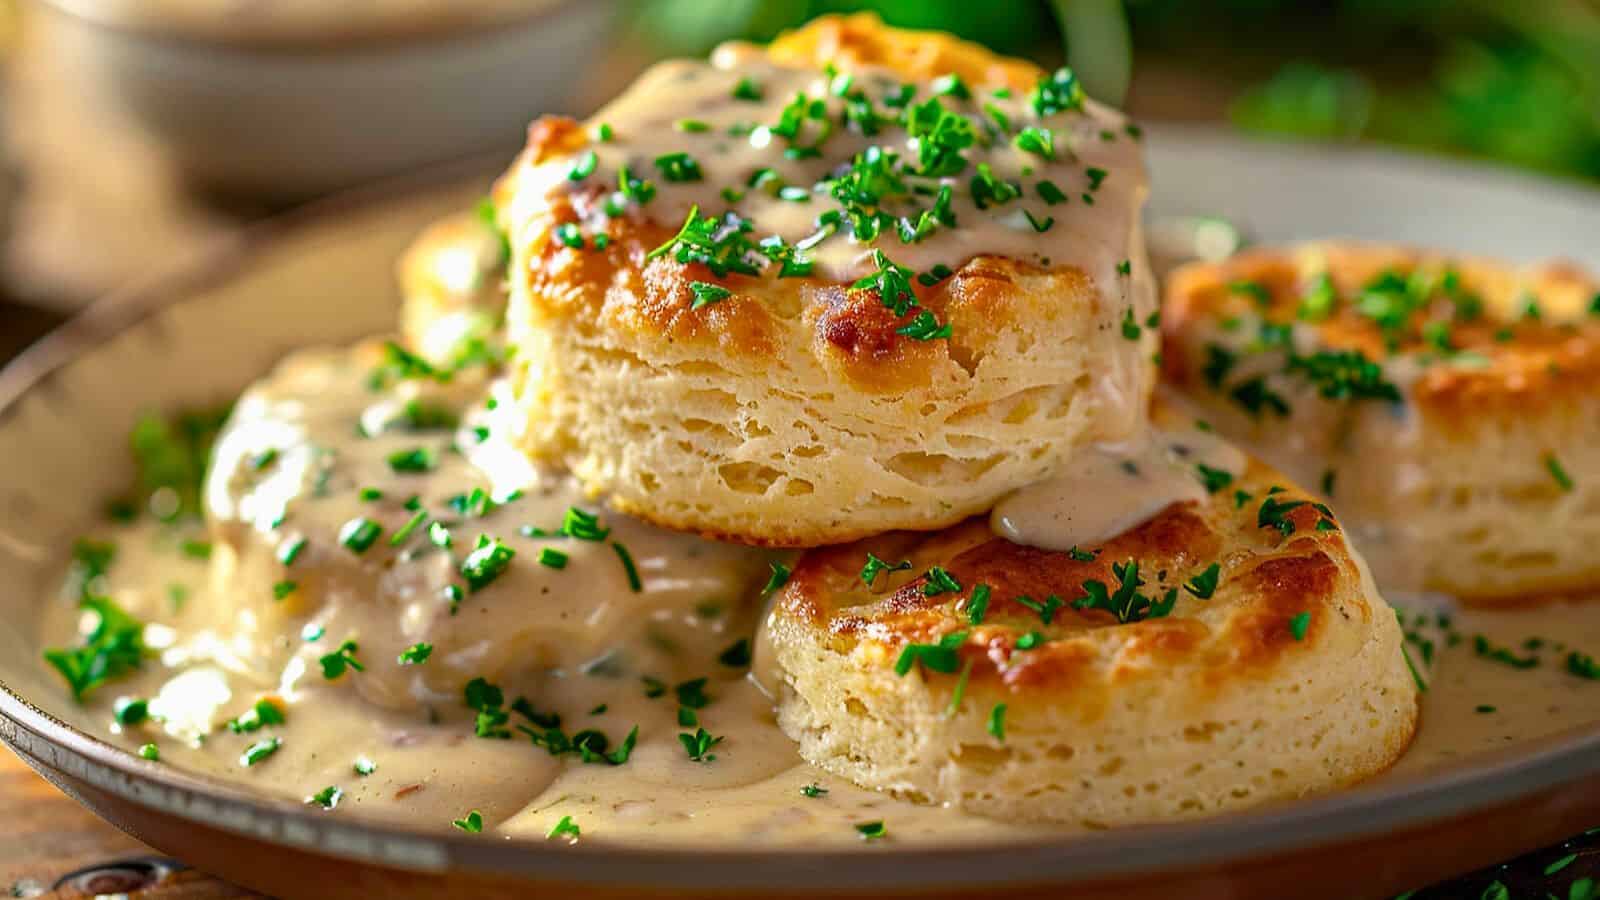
(136, 131)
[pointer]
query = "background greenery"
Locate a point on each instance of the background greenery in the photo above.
(1516, 81)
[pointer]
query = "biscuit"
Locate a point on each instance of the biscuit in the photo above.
(453, 286)
(1253, 661)
(756, 387)
(1446, 406)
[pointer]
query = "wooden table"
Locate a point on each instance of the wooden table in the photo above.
(52, 847)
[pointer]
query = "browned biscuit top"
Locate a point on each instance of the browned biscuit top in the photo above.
(1285, 584)
(1476, 331)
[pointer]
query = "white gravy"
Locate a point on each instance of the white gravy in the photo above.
(575, 641)
(1107, 489)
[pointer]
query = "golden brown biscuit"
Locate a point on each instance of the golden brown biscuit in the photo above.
(1226, 653)
(708, 337)
(1448, 407)
(453, 286)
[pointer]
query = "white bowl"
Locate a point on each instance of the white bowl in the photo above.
(287, 119)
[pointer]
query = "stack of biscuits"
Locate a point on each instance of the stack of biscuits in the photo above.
(847, 293)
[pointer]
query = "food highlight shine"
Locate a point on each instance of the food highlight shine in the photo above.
(514, 569)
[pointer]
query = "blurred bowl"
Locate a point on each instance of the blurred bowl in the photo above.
(279, 115)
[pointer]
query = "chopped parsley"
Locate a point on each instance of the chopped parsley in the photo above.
(1344, 374)
(706, 293)
(1583, 665)
(875, 566)
(699, 744)
(291, 551)
(938, 657)
(1202, 586)
(779, 578)
(1130, 327)
(1504, 655)
(130, 710)
(679, 167)
(1060, 91)
(488, 560)
(1219, 362)
(150, 752)
(259, 751)
(584, 167)
(405, 531)
(978, 604)
(564, 828)
(636, 190)
(719, 244)
(628, 568)
(871, 831)
(264, 712)
(1214, 479)
(1038, 141)
(1039, 225)
(1254, 396)
(336, 663)
(582, 525)
(113, 648)
(892, 282)
(471, 824)
(418, 459)
(416, 654)
(1126, 603)
(951, 85)
(283, 589)
(938, 581)
(1558, 472)
(747, 89)
(925, 327)
(1274, 514)
(1046, 610)
(1299, 624)
(327, 798)
(997, 722)
(359, 534)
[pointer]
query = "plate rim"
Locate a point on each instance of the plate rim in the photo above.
(1355, 813)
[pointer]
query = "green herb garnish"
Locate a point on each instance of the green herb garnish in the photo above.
(259, 751)
(336, 663)
(113, 648)
(416, 654)
(488, 560)
(938, 657)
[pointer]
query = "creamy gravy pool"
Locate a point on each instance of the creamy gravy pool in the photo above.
(311, 449)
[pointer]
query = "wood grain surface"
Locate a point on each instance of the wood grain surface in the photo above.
(52, 847)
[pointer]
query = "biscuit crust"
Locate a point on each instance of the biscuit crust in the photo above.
(796, 411)
(1466, 461)
(1289, 678)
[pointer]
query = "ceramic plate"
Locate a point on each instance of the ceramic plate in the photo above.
(324, 275)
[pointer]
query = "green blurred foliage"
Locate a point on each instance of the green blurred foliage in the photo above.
(1511, 80)
(694, 26)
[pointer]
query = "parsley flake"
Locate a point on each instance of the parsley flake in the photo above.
(416, 654)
